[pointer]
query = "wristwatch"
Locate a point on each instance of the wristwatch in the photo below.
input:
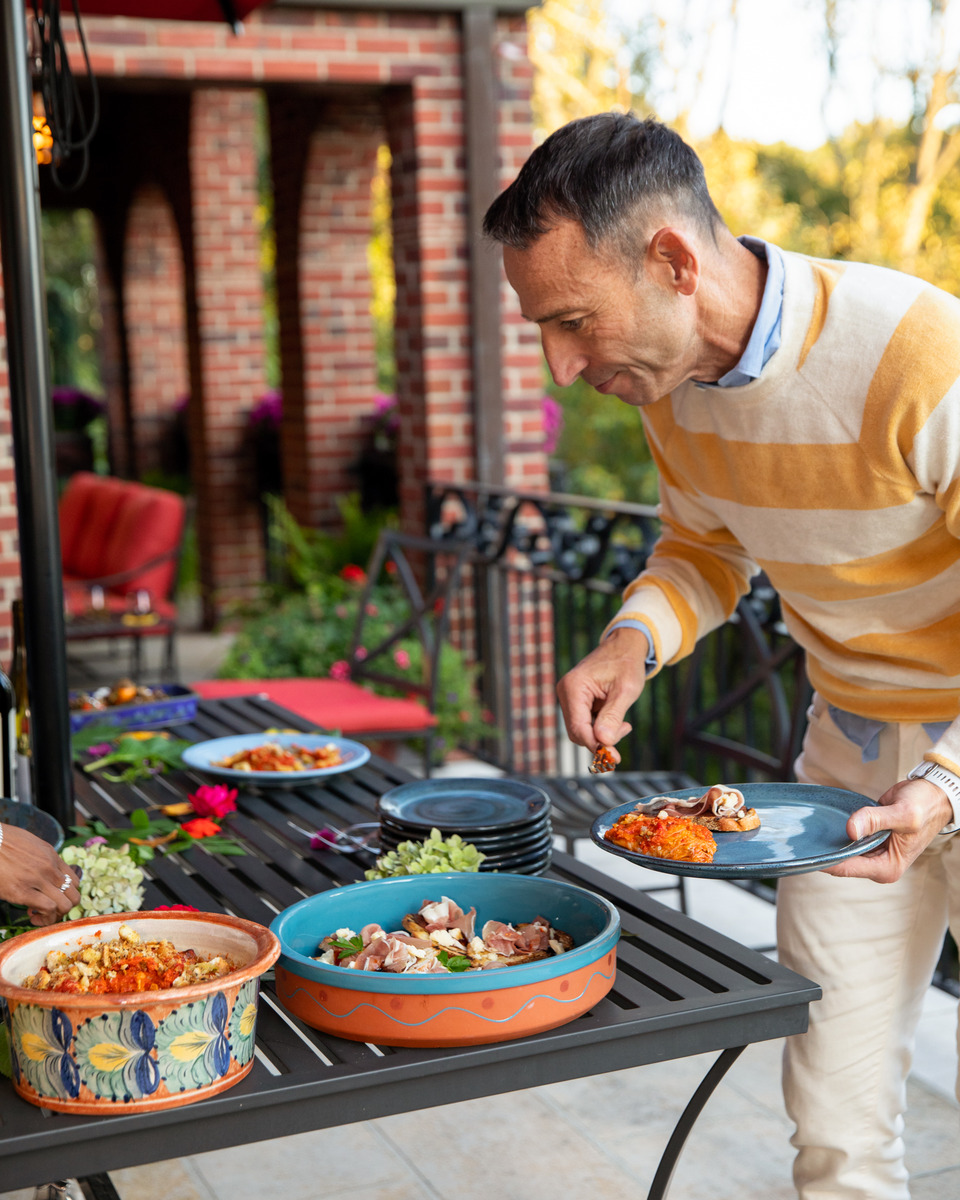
(946, 780)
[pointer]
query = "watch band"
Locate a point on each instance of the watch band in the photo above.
(946, 780)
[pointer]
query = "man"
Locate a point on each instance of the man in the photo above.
(804, 417)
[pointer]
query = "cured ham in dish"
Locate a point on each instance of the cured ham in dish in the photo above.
(721, 808)
(441, 938)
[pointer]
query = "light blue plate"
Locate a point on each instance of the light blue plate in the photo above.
(802, 828)
(592, 922)
(203, 755)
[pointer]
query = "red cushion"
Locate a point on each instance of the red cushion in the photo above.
(148, 523)
(87, 510)
(329, 703)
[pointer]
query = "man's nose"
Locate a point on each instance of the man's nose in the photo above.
(563, 358)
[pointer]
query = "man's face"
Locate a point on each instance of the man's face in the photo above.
(628, 334)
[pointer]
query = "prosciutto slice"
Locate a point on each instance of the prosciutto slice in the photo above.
(717, 801)
(445, 914)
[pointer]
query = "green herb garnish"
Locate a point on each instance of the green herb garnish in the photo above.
(347, 945)
(454, 962)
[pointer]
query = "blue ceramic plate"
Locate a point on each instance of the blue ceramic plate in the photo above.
(203, 755)
(802, 828)
(464, 806)
(33, 820)
(591, 921)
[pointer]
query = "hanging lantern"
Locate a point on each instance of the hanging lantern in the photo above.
(42, 137)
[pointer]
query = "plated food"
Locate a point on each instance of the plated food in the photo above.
(680, 828)
(440, 938)
(796, 827)
(125, 964)
(124, 691)
(271, 756)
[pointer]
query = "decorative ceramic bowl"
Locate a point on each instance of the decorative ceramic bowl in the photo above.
(140, 1051)
(457, 1009)
(176, 705)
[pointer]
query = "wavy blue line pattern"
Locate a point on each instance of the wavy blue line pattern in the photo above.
(337, 1016)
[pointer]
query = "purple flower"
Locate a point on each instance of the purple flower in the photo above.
(100, 750)
(323, 839)
(552, 417)
(268, 410)
(95, 841)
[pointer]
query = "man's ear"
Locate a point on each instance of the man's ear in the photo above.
(673, 256)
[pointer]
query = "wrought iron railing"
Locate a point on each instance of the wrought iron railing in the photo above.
(546, 577)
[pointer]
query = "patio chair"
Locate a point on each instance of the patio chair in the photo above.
(346, 705)
(120, 545)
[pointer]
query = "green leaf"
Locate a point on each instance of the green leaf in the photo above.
(454, 962)
(140, 820)
(6, 1066)
(348, 945)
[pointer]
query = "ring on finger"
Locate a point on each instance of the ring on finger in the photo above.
(67, 880)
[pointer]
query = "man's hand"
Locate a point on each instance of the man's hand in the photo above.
(914, 810)
(596, 694)
(32, 874)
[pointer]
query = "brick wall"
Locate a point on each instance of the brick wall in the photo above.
(367, 75)
(155, 322)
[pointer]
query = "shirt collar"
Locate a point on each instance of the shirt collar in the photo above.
(765, 336)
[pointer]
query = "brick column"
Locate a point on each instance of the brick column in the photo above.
(225, 331)
(322, 184)
(155, 321)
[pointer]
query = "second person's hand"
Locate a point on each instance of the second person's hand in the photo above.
(596, 694)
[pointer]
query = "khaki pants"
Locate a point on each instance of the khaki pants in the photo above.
(872, 947)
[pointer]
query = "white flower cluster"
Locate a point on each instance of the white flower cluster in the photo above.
(111, 880)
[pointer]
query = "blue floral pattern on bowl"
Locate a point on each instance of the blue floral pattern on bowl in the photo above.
(243, 1023)
(42, 1044)
(192, 1044)
(114, 1054)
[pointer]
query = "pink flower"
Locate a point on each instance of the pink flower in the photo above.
(100, 750)
(341, 611)
(372, 610)
(402, 659)
(213, 800)
(323, 839)
(552, 417)
(340, 670)
(175, 908)
(95, 841)
(360, 653)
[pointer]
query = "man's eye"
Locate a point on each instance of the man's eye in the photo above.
(572, 323)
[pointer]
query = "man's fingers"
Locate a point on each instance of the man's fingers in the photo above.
(609, 728)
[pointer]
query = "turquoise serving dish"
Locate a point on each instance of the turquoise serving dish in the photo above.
(456, 1009)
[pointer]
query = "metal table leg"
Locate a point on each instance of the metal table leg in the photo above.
(670, 1156)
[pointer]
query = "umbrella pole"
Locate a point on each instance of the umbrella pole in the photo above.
(32, 422)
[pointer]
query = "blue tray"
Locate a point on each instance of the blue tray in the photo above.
(177, 705)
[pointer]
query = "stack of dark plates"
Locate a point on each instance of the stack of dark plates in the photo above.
(506, 819)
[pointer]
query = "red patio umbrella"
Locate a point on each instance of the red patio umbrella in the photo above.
(29, 378)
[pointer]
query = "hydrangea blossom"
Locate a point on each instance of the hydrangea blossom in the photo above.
(111, 881)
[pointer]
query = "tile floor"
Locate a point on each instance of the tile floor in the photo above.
(590, 1139)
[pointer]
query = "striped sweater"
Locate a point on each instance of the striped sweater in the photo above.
(837, 472)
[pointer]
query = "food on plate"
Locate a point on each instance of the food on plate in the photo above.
(271, 756)
(602, 761)
(441, 938)
(663, 836)
(721, 808)
(124, 691)
(125, 964)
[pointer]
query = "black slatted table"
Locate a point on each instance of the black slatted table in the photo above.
(681, 989)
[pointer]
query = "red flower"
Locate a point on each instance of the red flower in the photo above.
(175, 908)
(213, 800)
(353, 574)
(201, 827)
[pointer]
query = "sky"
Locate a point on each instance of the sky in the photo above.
(771, 80)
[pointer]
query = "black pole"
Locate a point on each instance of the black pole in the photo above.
(31, 416)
